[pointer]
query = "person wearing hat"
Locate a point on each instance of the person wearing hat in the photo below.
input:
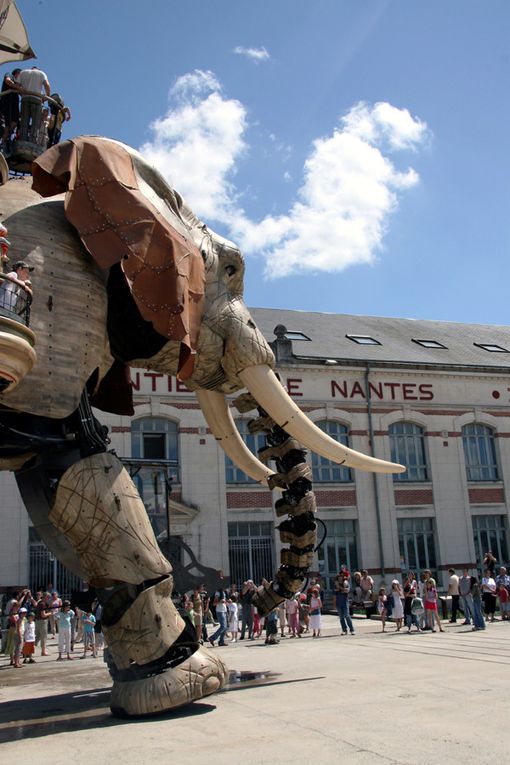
(14, 286)
(19, 636)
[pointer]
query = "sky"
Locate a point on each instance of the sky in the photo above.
(357, 152)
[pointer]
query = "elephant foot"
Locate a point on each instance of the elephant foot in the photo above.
(200, 675)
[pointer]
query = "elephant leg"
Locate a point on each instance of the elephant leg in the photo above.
(154, 658)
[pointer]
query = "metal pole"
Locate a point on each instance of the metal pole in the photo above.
(374, 475)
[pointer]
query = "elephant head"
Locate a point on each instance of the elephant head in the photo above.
(227, 350)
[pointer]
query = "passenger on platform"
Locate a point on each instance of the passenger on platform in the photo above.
(34, 83)
(15, 286)
(59, 114)
(9, 105)
(4, 245)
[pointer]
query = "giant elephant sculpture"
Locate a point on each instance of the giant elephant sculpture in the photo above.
(125, 274)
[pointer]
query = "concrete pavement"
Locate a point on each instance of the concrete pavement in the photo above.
(412, 699)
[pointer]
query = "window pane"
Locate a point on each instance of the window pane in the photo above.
(323, 470)
(407, 445)
(479, 452)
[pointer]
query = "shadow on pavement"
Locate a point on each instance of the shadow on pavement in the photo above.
(70, 712)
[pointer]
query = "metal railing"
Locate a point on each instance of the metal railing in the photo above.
(15, 300)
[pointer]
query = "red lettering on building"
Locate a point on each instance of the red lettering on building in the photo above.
(357, 390)
(153, 376)
(293, 384)
(376, 390)
(392, 387)
(341, 388)
(136, 381)
(426, 391)
(408, 390)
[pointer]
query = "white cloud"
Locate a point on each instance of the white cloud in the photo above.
(255, 54)
(349, 191)
(197, 143)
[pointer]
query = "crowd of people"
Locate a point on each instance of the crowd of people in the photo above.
(230, 614)
(22, 114)
(29, 622)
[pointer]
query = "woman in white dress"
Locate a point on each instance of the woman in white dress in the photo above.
(315, 612)
(397, 611)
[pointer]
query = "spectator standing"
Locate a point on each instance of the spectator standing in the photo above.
(292, 609)
(282, 618)
(466, 596)
(220, 601)
(54, 607)
(489, 594)
(272, 627)
(503, 592)
(233, 617)
(12, 621)
(33, 83)
(246, 609)
(431, 605)
(410, 588)
(342, 606)
(397, 610)
(454, 592)
(315, 612)
(89, 622)
(64, 617)
(29, 640)
(489, 562)
(476, 593)
(381, 607)
(19, 636)
(42, 614)
(367, 585)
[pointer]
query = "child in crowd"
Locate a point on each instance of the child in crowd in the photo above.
(272, 627)
(64, 619)
(257, 627)
(315, 612)
(292, 609)
(29, 640)
(381, 607)
(232, 617)
(89, 622)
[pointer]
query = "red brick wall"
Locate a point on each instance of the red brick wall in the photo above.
(483, 495)
(240, 499)
(414, 497)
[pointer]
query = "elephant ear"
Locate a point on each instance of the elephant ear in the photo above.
(117, 223)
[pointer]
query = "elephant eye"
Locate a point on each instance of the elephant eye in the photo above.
(230, 270)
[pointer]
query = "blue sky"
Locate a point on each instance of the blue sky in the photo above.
(357, 151)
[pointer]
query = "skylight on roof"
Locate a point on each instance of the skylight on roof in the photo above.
(363, 339)
(491, 347)
(296, 336)
(429, 343)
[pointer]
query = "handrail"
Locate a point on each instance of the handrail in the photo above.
(22, 92)
(16, 303)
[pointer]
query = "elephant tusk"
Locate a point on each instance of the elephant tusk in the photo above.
(223, 428)
(270, 395)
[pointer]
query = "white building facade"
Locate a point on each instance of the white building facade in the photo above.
(431, 395)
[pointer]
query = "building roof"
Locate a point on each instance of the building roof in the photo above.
(395, 340)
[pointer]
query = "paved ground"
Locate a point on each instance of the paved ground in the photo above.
(411, 699)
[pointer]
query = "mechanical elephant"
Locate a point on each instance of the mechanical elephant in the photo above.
(126, 275)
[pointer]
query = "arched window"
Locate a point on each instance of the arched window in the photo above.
(323, 470)
(480, 452)
(154, 438)
(408, 448)
(254, 442)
